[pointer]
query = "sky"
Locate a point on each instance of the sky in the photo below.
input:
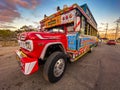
(16, 13)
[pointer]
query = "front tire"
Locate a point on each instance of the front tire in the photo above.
(54, 67)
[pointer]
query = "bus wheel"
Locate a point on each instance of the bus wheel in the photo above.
(54, 67)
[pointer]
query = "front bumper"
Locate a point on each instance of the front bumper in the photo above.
(28, 65)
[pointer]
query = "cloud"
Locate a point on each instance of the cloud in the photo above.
(29, 4)
(8, 8)
(36, 23)
(8, 15)
(35, 3)
(6, 26)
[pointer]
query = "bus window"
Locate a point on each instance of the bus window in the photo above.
(82, 25)
(56, 29)
(70, 27)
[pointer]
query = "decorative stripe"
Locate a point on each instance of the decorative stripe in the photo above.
(40, 37)
(29, 67)
(77, 25)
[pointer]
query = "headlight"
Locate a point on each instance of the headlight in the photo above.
(28, 44)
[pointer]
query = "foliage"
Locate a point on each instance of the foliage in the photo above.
(27, 28)
(7, 35)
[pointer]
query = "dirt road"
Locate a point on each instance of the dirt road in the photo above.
(84, 74)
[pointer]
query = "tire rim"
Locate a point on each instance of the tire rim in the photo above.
(59, 67)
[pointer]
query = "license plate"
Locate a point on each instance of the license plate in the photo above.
(20, 54)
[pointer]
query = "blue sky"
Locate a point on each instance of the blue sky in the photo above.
(30, 12)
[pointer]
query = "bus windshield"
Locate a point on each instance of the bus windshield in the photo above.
(55, 30)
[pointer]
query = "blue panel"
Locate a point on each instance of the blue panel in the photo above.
(75, 42)
(79, 43)
(72, 41)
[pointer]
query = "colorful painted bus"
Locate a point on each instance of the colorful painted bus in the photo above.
(64, 36)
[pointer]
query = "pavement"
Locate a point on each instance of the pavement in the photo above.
(109, 73)
(99, 70)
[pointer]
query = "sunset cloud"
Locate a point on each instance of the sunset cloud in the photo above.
(8, 15)
(9, 11)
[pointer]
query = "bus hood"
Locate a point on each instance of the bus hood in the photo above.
(40, 35)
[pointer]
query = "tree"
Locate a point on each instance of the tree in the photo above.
(27, 28)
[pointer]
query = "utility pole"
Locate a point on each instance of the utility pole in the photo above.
(116, 32)
(106, 25)
(117, 28)
(106, 30)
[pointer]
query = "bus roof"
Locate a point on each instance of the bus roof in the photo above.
(67, 9)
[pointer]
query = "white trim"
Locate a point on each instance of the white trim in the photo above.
(40, 37)
(78, 24)
(47, 45)
(29, 67)
(18, 53)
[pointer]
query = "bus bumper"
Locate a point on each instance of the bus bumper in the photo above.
(27, 64)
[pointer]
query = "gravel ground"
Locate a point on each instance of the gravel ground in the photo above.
(98, 70)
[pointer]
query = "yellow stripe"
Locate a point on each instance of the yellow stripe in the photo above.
(23, 55)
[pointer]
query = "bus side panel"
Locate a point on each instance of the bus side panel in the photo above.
(73, 41)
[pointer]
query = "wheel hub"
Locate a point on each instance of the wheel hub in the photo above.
(59, 67)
